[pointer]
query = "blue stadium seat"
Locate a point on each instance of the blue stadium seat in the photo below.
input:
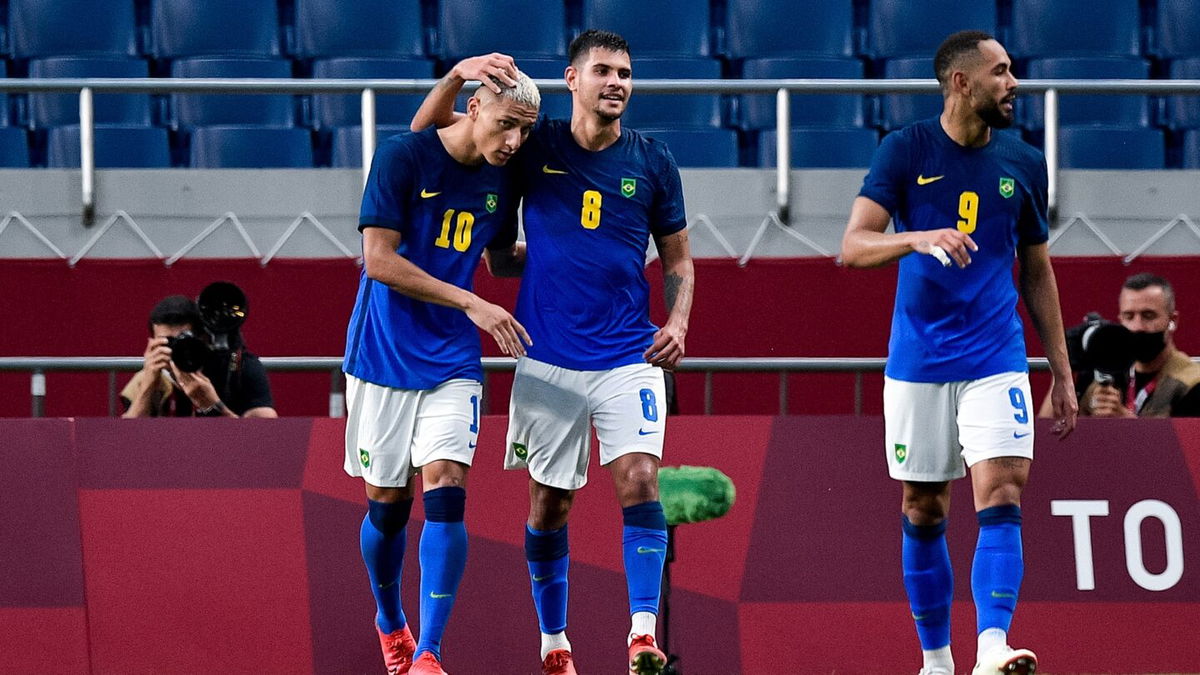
(3, 97)
(1191, 149)
(822, 148)
(557, 106)
(125, 147)
(14, 148)
(699, 147)
(757, 111)
(1088, 108)
(250, 147)
(60, 27)
(1183, 112)
(898, 110)
(669, 110)
(518, 27)
(48, 110)
(334, 110)
(346, 150)
(181, 28)
(1109, 148)
(1178, 29)
(900, 28)
(653, 27)
(1074, 28)
(762, 28)
(188, 110)
(381, 28)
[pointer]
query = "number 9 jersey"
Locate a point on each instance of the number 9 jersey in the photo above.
(588, 218)
(950, 323)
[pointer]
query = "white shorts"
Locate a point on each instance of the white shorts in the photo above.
(551, 407)
(391, 433)
(931, 429)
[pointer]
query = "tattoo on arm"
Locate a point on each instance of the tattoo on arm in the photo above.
(671, 285)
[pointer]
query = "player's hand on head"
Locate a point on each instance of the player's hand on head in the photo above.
(948, 245)
(509, 334)
(667, 349)
(484, 67)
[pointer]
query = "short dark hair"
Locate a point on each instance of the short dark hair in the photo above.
(593, 39)
(1143, 280)
(174, 310)
(962, 43)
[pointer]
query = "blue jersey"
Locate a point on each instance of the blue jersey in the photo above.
(446, 213)
(953, 324)
(588, 219)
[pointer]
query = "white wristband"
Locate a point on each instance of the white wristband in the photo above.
(940, 253)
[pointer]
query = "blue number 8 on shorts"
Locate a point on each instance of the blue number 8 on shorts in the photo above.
(649, 406)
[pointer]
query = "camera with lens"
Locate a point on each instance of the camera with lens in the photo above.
(1100, 351)
(223, 309)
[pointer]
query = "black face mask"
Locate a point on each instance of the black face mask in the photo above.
(1147, 346)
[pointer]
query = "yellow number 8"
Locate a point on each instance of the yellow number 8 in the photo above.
(590, 216)
(968, 210)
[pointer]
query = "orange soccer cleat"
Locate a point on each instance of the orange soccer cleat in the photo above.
(558, 662)
(398, 647)
(645, 658)
(427, 664)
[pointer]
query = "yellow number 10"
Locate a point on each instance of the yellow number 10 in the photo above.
(462, 231)
(589, 217)
(968, 210)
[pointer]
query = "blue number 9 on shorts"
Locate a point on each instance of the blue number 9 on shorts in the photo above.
(1017, 398)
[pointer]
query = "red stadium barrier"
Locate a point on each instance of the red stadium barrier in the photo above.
(206, 546)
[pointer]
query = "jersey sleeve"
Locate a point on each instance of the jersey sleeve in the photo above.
(386, 197)
(1034, 226)
(889, 169)
(667, 215)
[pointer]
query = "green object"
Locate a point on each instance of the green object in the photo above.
(693, 494)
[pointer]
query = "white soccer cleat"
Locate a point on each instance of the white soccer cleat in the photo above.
(1005, 661)
(936, 670)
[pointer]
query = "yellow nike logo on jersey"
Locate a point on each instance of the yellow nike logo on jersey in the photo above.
(425, 194)
(546, 169)
(922, 180)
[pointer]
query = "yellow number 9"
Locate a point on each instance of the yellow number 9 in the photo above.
(968, 211)
(589, 217)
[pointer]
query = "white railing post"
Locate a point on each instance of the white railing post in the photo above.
(368, 131)
(1051, 150)
(783, 155)
(87, 155)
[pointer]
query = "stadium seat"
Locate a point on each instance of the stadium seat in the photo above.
(822, 148)
(671, 110)
(180, 28)
(898, 28)
(714, 148)
(897, 110)
(1191, 149)
(757, 111)
(333, 110)
(346, 152)
(62, 27)
(3, 96)
(763, 28)
(250, 147)
(1178, 29)
(1081, 109)
(14, 148)
(557, 106)
(1183, 112)
(678, 28)
(128, 147)
(380, 28)
(517, 27)
(188, 110)
(1109, 148)
(1074, 28)
(48, 110)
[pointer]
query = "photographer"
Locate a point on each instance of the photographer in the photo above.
(198, 367)
(1138, 371)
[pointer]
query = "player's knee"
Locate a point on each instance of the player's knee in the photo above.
(444, 474)
(389, 517)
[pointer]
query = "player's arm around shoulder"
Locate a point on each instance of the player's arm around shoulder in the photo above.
(438, 107)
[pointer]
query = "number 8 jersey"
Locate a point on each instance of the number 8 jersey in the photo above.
(953, 324)
(588, 218)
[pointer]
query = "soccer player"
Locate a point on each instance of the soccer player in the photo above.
(595, 193)
(433, 202)
(968, 201)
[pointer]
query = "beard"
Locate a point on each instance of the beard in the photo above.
(995, 117)
(607, 116)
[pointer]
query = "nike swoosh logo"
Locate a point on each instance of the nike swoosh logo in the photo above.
(643, 550)
(546, 169)
(387, 585)
(643, 432)
(998, 594)
(470, 445)
(922, 180)
(543, 578)
(918, 617)
(425, 194)
(1016, 435)
(439, 596)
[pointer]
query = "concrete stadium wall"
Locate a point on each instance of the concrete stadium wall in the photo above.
(223, 546)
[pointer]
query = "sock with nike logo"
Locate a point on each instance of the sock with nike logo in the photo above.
(443, 554)
(929, 580)
(548, 555)
(644, 545)
(382, 540)
(998, 567)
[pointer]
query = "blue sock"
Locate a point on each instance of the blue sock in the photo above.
(443, 554)
(548, 558)
(998, 567)
(644, 545)
(929, 581)
(382, 540)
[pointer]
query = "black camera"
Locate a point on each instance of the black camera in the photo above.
(223, 307)
(1100, 351)
(188, 352)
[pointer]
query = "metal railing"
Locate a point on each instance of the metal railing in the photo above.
(368, 89)
(38, 366)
